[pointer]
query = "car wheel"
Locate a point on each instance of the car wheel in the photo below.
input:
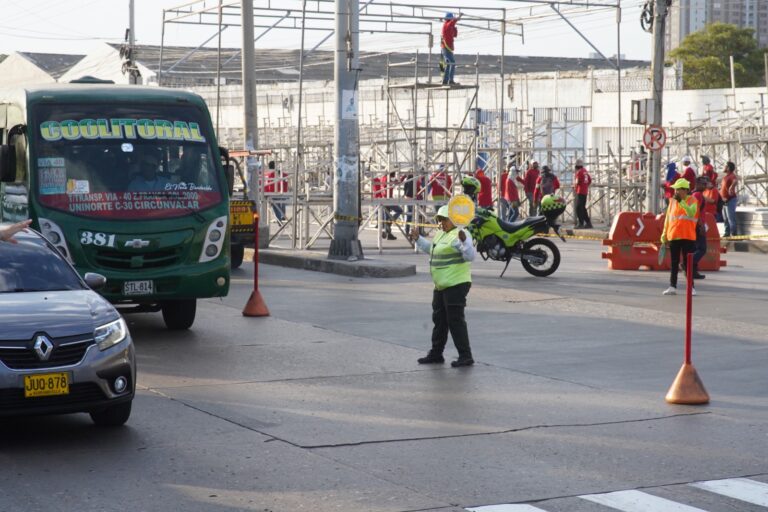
(113, 416)
(236, 253)
(179, 314)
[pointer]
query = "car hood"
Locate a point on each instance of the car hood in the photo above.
(58, 314)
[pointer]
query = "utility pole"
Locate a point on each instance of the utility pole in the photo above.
(128, 48)
(346, 212)
(659, 29)
(250, 120)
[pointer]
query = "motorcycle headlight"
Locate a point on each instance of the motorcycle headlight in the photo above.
(110, 334)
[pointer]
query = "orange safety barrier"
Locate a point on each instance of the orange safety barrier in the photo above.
(633, 243)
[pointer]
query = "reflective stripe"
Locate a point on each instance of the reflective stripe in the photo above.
(682, 217)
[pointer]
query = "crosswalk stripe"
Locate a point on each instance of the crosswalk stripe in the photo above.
(742, 489)
(636, 501)
(506, 508)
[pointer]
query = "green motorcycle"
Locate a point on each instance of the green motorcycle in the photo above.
(504, 241)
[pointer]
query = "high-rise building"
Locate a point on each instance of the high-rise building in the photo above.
(688, 16)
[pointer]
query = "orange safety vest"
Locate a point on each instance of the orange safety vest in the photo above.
(681, 226)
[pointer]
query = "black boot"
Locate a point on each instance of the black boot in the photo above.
(463, 361)
(432, 358)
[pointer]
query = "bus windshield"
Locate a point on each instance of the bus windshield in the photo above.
(123, 162)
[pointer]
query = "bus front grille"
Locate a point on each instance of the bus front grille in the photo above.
(128, 261)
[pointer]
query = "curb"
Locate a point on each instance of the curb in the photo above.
(319, 262)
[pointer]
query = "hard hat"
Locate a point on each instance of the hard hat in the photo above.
(442, 212)
(449, 16)
(686, 159)
(681, 183)
(579, 162)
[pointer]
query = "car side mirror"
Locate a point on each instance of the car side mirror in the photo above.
(95, 281)
(7, 164)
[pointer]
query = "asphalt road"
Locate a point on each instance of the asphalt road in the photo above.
(322, 407)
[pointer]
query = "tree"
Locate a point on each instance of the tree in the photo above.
(706, 57)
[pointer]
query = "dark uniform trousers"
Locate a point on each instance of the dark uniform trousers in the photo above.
(448, 315)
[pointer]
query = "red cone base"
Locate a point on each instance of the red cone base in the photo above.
(687, 389)
(255, 305)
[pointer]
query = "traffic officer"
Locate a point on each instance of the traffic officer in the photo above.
(680, 229)
(450, 254)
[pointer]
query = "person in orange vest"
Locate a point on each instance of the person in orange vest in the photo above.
(679, 231)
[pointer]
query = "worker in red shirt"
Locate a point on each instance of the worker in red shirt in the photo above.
(510, 197)
(275, 183)
(384, 190)
(689, 173)
(581, 182)
(708, 170)
(701, 231)
(529, 186)
(440, 184)
(485, 197)
(447, 37)
(547, 183)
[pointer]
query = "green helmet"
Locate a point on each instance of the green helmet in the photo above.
(470, 181)
(552, 202)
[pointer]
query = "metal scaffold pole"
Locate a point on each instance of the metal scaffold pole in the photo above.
(345, 243)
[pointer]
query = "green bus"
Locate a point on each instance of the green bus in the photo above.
(125, 181)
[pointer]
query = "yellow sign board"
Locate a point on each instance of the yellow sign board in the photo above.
(461, 210)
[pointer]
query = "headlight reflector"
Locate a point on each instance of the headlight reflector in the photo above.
(110, 334)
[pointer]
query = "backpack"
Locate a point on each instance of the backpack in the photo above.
(547, 183)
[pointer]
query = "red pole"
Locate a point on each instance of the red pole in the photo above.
(255, 251)
(255, 305)
(688, 306)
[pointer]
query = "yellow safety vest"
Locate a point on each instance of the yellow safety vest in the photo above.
(446, 263)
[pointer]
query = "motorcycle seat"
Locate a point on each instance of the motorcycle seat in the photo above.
(511, 227)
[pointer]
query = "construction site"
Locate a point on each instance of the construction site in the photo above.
(409, 125)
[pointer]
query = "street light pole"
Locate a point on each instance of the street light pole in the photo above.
(250, 120)
(345, 244)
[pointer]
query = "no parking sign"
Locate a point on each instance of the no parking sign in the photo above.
(654, 138)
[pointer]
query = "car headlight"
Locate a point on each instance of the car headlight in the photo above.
(110, 334)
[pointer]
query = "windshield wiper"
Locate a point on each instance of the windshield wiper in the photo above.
(24, 290)
(173, 194)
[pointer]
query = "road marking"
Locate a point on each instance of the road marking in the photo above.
(636, 501)
(742, 489)
(506, 508)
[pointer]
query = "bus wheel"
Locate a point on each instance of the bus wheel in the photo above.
(236, 253)
(179, 314)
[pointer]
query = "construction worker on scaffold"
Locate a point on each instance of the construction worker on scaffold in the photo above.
(448, 34)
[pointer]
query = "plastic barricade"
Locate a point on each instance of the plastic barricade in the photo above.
(633, 243)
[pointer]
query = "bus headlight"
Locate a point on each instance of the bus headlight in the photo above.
(110, 334)
(55, 235)
(214, 239)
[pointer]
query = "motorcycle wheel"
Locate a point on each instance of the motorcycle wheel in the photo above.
(544, 250)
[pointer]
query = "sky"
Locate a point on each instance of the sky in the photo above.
(80, 26)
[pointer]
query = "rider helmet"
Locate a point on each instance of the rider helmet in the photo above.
(470, 185)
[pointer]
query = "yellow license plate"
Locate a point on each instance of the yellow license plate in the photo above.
(46, 384)
(242, 219)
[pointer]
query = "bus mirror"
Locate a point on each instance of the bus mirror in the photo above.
(7, 163)
(230, 170)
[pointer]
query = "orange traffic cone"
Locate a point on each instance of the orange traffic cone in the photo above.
(687, 389)
(255, 305)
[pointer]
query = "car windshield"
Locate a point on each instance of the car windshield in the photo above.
(113, 162)
(31, 265)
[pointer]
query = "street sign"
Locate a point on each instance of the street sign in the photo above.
(461, 210)
(654, 138)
